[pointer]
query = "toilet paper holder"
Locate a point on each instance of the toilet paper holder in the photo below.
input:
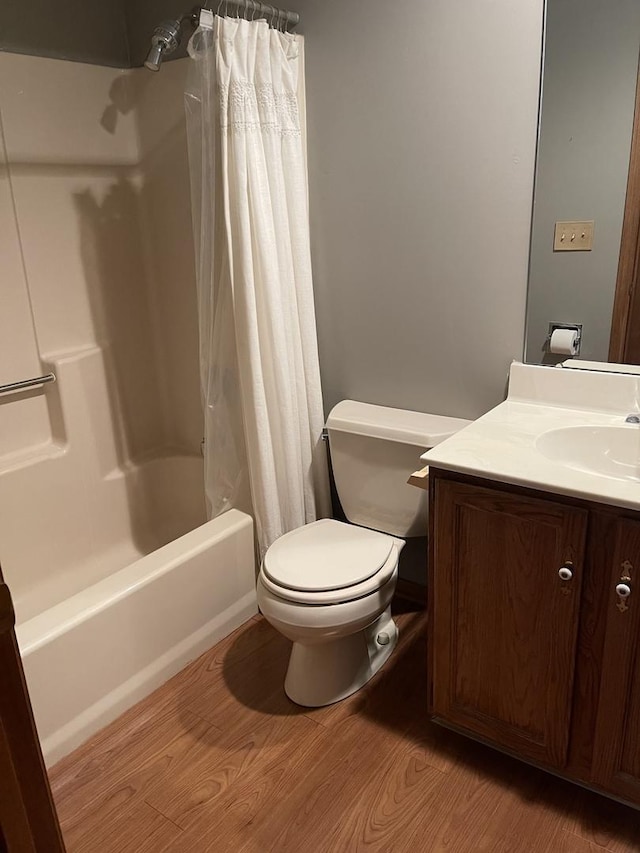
(575, 326)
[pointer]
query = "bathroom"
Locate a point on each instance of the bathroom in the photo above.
(422, 143)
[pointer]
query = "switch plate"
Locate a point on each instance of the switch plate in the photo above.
(573, 236)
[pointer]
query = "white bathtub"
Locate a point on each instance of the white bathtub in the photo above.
(90, 657)
(116, 577)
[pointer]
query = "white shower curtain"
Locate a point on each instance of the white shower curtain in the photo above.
(258, 347)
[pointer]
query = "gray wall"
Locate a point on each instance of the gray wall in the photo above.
(82, 30)
(591, 65)
(422, 124)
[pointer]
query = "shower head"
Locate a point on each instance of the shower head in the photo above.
(165, 39)
(154, 57)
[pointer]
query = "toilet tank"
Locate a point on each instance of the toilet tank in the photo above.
(374, 449)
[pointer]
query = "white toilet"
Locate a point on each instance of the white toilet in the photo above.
(328, 586)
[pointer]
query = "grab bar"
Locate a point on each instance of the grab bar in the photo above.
(27, 383)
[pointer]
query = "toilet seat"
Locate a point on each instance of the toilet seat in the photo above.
(328, 562)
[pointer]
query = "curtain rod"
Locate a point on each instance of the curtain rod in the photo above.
(167, 36)
(266, 9)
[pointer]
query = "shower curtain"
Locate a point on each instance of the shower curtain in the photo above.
(258, 348)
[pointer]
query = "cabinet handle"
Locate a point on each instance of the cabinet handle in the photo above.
(623, 591)
(565, 573)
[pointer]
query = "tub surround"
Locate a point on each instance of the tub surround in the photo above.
(65, 201)
(96, 512)
(104, 465)
(116, 576)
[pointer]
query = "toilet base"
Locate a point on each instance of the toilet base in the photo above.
(324, 673)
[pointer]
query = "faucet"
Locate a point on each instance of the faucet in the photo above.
(632, 419)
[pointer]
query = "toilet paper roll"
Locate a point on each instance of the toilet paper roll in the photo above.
(564, 341)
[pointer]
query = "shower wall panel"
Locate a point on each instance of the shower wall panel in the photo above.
(98, 286)
(166, 218)
(24, 422)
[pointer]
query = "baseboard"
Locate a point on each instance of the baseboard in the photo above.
(416, 593)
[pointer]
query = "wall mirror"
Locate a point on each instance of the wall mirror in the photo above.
(588, 170)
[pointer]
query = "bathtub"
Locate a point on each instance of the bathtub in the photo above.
(117, 578)
(90, 657)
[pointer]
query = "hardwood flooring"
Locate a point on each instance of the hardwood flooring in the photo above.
(218, 759)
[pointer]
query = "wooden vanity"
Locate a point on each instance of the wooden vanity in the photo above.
(531, 649)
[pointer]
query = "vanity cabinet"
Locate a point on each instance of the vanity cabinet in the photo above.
(616, 764)
(505, 627)
(531, 649)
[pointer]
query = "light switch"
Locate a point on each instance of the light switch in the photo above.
(573, 236)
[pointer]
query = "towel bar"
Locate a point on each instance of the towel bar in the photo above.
(27, 383)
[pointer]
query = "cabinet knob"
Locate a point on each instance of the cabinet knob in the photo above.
(565, 573)
(623, 590)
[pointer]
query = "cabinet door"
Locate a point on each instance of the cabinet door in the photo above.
(617, 740)
(28, 820)
(505, 624)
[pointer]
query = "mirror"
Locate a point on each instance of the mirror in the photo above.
(590, 72)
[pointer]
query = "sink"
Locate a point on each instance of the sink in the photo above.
(559, 431)
(611, 451)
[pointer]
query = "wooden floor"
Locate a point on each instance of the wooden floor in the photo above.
(219, 760)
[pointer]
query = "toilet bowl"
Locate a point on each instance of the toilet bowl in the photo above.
(328, 586)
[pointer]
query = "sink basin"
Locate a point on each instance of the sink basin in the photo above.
(611, 451)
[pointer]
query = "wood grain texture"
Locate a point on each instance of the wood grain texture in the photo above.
(370, 773)
(617, 731)
(505, 625)
(28, 819)
(596, 589)
(624, 341)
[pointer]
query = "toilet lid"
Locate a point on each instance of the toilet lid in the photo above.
(326, 555)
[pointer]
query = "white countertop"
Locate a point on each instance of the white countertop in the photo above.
(501, 445)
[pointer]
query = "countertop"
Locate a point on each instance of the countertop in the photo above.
(501, 445)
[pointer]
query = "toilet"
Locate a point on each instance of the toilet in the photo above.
(327, 586)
